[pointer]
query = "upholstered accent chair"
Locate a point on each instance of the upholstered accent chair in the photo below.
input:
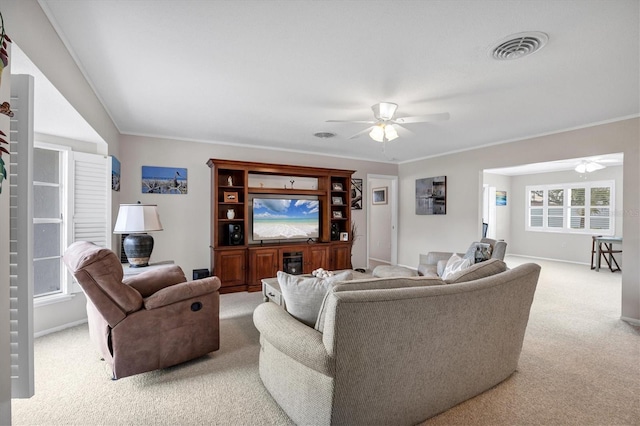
(433, 263)
(152, 320)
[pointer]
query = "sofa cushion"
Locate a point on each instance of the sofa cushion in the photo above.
(477, 271)
(386, 271)
(374, 284)
(303, 295)
(454, 265)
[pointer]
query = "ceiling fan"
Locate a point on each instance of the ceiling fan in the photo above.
(383, 127)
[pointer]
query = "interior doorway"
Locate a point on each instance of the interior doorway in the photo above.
(382, 220)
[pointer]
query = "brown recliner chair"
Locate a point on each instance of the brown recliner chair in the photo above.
(148, 321)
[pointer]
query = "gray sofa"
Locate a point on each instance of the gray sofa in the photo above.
(397, 350)
(433, 263)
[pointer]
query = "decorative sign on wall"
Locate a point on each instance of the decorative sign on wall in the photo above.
(379, 195)
(164, 180)
(431, 195)
(356, 194)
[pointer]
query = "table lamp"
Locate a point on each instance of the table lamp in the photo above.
(136, 220)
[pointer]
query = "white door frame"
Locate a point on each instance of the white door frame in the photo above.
(393, 200)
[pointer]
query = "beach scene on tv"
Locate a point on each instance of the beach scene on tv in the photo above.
(279, 219)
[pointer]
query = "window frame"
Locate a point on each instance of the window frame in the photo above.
(566, 208)
(66, 289)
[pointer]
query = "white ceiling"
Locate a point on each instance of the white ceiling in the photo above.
(270, 73)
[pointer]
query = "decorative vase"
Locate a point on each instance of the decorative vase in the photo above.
(231, 213)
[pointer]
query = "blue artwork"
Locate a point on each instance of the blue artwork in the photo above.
(501, 198)
(164, 180)
(115, 174)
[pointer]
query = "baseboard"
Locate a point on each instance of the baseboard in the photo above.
(547, 258)
(59, 328)
(631, 321)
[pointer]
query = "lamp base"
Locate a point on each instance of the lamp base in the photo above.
(138, 248)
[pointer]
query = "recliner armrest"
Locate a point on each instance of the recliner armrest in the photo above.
(151, 281)
(293, 338)
(182, 291)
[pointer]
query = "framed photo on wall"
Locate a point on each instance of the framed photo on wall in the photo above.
(379, 195)
(164, 180)
(431, 195)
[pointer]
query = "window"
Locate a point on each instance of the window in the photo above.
(48, 226)
(583, 208)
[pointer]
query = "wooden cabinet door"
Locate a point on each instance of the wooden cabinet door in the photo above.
(316, 257)
(340, 256)
(264, 264)
(230, 267)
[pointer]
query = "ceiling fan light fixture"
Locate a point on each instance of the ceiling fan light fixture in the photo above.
(588, 166)
(390, 132)
(377, 133)
(384, 110)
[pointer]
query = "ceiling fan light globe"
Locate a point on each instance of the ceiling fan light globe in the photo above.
(592, 166)
(377, 133)
(390, 132)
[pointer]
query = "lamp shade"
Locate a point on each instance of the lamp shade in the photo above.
(377, 133)
(134, 218)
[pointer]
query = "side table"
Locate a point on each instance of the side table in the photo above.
(271, 291)
(128, 270)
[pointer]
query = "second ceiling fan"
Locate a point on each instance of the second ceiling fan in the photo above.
(382, 129)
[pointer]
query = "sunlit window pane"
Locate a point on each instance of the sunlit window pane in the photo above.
(46, 202)
(46, 165)
(46, 239)
(577, 196)
(600, 196)
(46, 276)
(536, 198)
(556, 197)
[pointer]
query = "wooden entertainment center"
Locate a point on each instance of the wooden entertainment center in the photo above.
(239, 261)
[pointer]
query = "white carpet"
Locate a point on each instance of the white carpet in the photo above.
(580, 365)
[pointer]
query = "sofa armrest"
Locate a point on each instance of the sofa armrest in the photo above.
(149, 282)
(182, 291)
(293, 338)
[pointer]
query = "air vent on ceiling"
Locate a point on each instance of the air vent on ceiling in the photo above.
(519, 45)
(324, 135)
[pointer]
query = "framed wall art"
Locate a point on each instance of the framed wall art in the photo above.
(356, 194)
(164, 180)
(379, 195)
(431, 195)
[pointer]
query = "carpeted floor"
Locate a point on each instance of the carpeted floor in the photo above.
(580, 365)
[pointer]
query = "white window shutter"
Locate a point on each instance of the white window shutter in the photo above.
(90, 200)
(21, 237)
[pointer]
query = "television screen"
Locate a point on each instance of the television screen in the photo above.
(285, 218)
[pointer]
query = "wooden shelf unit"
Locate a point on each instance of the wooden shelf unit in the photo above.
(241, 265)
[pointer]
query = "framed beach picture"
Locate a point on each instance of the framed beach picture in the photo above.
(379, 195)
(164, 180)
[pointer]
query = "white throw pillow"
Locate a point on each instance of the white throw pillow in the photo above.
(303, 295)
(455, 264)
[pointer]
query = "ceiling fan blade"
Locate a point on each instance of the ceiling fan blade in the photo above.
(403, 131)
(360, 133)
(422, 118)
(350, 121)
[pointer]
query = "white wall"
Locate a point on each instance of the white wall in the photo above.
(453, 231)
(380, 223)
(186, 218)
(569, 247)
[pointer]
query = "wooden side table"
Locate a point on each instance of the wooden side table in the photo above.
(128, 270)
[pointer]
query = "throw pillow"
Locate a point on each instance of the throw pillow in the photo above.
(303, 295)
(455, 264)
(478, 252)
(477, 271)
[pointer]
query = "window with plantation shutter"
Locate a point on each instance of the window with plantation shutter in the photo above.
(583, 208)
